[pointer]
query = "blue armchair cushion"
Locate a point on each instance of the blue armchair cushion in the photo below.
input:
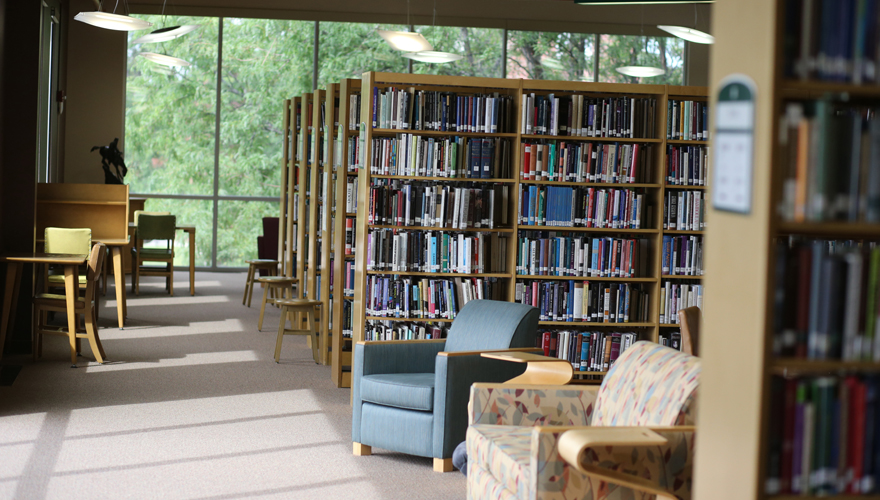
(413, 391)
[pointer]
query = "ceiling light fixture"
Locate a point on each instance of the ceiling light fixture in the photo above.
(163, 59)
(640, 71)
(688, 34)
(637, 2)
(110, 21)
(406, 41)
(431, 56)
(165, 34)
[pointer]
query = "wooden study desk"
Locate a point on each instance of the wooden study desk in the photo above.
(14, 262)
(116, 246)
(191, 231)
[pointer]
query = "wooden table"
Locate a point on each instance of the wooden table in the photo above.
(14, 262)
(191, 230)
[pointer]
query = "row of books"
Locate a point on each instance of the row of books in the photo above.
(561, 254)
(586, 162)
(824, 437)
(347, 319)
(831, 40)
(827, 300)
(354, 111)
(455, 157)
(407, 298)
(677, 296)
(684, 211)
(423, 204)
(585, 301)
(398, 330)
(682, 255)
(353, 160)
(351, 195)
(436, 252)
(687, 120)
(831, 162)
(586, 351)
(670, 339)
(350, 236)
(410, 109)
(583, 116)
(581, 207)
(687, 165)
(348, 279)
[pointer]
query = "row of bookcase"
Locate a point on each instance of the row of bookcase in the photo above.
(408, 195)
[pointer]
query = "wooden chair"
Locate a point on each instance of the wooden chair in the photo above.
(154, 227)
(85, 305)
(311, 309)
(279, 287)
(269, 265)
(689, 319)
(62, 240)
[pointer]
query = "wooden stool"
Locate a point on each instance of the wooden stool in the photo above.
(284, 287)
(267, 264)
(294, 307)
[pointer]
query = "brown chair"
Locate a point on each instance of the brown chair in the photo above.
(279, 287)
(271, 268)
(85, 305)
(297, 309)
(689, 319)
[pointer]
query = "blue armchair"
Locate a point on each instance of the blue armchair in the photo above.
(411, 396)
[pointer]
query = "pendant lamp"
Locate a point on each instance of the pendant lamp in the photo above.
(165, 34)
(110, 21)
(640, 71)
(163, 59)
(688, 34)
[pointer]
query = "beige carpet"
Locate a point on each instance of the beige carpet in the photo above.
(192, 406)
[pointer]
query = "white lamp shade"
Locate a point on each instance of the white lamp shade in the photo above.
(688, 34)
(430, 56)
(640, 71)
(112, 21)
(169, 33)
(163, 59)
(406, 41)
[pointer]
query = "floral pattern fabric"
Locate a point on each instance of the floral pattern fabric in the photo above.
(500, 404)
(513, 440)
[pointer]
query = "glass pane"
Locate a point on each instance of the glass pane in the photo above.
(541, 55)
(238, 225)
(481, 48)
(264, 62)
(348, 50)
(170, 111)
(662, 52)
(198, 213)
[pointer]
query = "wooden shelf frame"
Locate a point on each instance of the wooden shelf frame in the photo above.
(342, 347)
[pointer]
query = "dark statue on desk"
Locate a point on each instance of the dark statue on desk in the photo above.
(110, 155)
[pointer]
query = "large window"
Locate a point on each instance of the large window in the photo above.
(217, 164)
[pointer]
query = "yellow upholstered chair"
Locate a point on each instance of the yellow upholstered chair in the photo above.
(62, 240)
(152, 228)
(85, 305)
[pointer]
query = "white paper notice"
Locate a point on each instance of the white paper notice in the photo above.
(733, 145)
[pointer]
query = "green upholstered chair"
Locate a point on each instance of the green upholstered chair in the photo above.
(62, 240)
(154, 228)
(411, 396)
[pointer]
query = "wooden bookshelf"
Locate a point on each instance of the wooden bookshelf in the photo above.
(341, 351)
(325, 123)
(302, 222)
(366, 178)
(287, 225)
(654, 189)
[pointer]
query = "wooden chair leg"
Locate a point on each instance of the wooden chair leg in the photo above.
(284, 311)
(171, 279)
(248, 283)
(313, 333)
(71, 336)
(97, 337)
(94, 343)
(35, 332)
(136, 284)
(262, 309)
(251, 291)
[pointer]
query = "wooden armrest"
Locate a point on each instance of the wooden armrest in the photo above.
(384, 342)
(475, 353)
(574, 443)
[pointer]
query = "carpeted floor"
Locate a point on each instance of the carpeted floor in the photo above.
(192, 406)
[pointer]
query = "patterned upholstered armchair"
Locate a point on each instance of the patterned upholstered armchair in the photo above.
(546, 442)
(411, 396)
